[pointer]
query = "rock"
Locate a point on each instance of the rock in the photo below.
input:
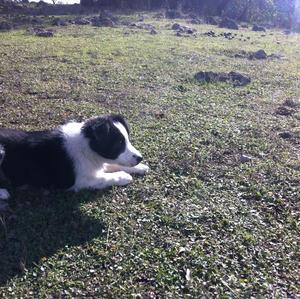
(183, 29)
(176, 26)
(260, 54)
(294, 103)
(212, 20)
(5, 25)
(239, 79)
(236, 78)
(285, 134)
(258, 28)
(44, 33)
(228, 23)
(297, 116)
(245, 158)
(59, 22)
(210, 77)
(196, 21)
(102, 21)
(81, 21)
(159, 15)
(281, 110)
(210, 33)
(153, 31)
(141, 18)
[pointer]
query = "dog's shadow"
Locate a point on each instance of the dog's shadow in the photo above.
(38, 224)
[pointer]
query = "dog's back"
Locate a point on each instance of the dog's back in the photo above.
(36, 158)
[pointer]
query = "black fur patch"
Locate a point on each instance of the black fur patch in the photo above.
(36, 158)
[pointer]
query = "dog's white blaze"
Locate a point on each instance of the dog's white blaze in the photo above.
(128, 157)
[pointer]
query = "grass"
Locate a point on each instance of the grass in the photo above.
(201, 224)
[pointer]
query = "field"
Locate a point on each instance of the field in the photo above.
(218, 214)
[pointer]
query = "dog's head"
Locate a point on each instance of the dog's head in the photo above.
(109, 137)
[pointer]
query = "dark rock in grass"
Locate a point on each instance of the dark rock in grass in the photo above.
(236, 78)
(228, 23)
(196, 21)
(239, 79)
(284, 111)
(211, 77)
(59, 22)
(210, 33)
(245, 158)
(212, 20)
(153, 31)
(183, 29)
(102, 21)
(260, 54)
(141, 18)
(159, 15)
(285, 134)
(44, 33)
(5, 25)
(258, 28)
(81, 21)
(293, 103)
(176, 26)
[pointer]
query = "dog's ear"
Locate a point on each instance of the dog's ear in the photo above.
(97, 128)
(119, 118)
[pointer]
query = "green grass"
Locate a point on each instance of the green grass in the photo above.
(234, 226)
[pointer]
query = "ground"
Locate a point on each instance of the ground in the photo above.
(206, 221)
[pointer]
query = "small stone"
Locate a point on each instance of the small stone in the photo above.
(260, 54)
(284, 111)
(44, 33)
(245, 158)
(285, 134)
(258, 28)
(176, 26)
(294, 103)
(153, 31)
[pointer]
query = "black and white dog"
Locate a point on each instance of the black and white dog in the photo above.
(93, 154)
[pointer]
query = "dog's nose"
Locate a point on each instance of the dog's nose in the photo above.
(138, 158)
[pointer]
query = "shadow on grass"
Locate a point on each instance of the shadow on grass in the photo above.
(40, 224)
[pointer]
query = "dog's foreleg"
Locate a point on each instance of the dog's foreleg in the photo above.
(104, 180)
(140, 169)
(119, 178)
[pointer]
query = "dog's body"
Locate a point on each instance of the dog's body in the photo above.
(92, 154)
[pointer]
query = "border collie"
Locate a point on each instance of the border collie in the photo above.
(92, 154)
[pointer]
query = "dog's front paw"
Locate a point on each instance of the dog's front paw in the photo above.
(123, 178)
(141, 169)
